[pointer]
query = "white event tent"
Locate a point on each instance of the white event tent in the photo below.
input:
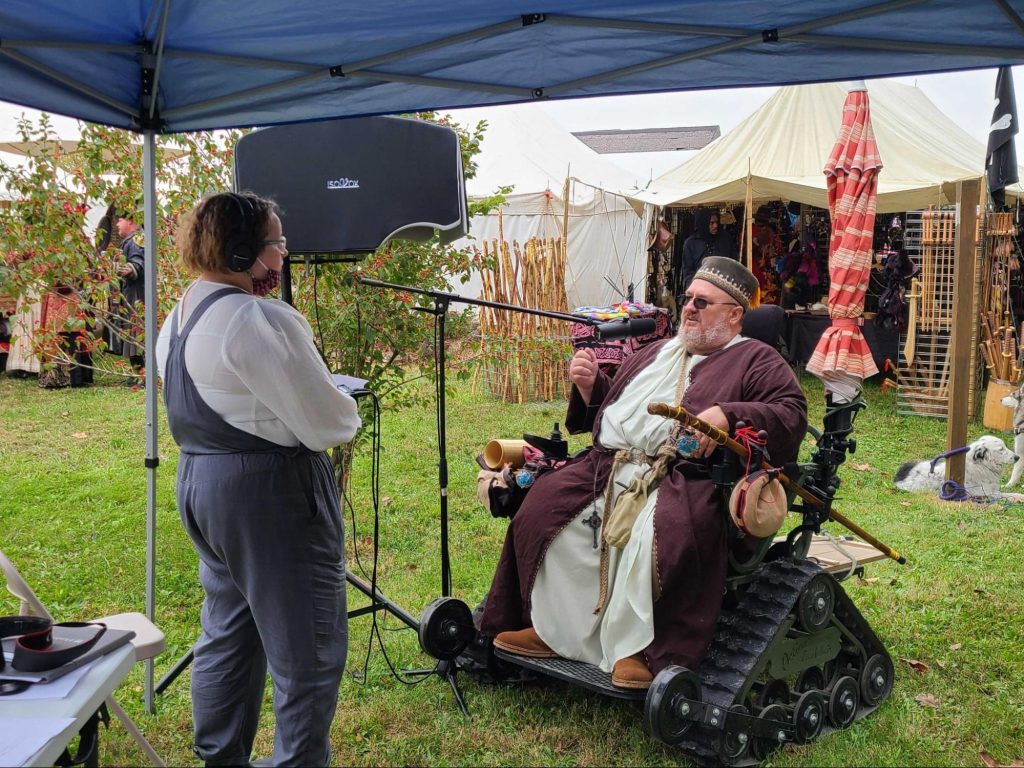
(785, 143)
(527, 150)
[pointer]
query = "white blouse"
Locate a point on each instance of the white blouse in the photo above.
(253, 361)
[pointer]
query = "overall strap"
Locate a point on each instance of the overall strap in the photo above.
(199, 311)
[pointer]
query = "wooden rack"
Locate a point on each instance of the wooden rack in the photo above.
(923, 375)
(923, 371)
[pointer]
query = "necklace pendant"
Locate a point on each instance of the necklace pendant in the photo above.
(594, 523)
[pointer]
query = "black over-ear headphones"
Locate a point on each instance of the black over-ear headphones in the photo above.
(240, 248)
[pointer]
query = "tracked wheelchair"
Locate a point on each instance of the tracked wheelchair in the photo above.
(791, 657)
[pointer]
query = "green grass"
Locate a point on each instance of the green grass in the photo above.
(73, 519)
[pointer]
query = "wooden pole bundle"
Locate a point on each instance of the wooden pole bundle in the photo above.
(525, 353)
(1000, 349)
(999, 340)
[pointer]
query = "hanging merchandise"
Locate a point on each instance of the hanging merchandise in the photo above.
(767, 248)
(892, 303)
(799, 275)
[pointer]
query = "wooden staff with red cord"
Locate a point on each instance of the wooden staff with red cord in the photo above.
(683, 416)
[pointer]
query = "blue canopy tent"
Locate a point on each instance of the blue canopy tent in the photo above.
(159, 66)
(178, 65)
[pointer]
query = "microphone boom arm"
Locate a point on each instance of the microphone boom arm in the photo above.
(442, 296)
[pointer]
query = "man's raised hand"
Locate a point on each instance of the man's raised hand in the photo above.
(583, 372)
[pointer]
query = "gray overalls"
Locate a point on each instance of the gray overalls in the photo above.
(265, 521)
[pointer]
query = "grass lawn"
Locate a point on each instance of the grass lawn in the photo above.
(72, 518)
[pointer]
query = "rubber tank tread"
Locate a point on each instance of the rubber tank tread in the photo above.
(745, 631)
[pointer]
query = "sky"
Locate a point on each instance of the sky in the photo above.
(966, 97)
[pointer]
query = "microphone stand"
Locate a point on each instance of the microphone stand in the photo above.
(442, 301)
(446, 669)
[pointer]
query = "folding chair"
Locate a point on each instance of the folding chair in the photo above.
(148, 642)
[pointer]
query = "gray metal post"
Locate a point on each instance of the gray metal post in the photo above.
(149, 197)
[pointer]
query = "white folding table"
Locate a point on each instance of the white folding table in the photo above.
(103, 676)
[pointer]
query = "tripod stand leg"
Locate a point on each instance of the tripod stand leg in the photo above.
(177, 669)
(380, 603)
(447, 671)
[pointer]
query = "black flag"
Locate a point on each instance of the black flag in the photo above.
(1001, 158)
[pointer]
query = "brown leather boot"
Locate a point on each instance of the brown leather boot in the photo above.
(524, 642)
(632, 672)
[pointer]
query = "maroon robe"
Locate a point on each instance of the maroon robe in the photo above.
(751, 383)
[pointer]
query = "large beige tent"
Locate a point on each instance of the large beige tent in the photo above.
(784, 146)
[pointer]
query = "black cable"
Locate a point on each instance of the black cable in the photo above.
(346, 502)
(316, 312)
(376, 625)
(375, 622)
(438, 395)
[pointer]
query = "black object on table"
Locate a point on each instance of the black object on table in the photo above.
(804, 329)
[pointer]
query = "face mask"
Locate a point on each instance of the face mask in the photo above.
(264, 285)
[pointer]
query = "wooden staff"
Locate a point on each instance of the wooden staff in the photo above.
(1008, 355)
(914, 298)
(680, 414)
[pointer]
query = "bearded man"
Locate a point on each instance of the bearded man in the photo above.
(634, 606)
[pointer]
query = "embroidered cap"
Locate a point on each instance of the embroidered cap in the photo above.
(733, 278)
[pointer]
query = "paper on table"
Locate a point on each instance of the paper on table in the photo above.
(22, 737)
(56, 689)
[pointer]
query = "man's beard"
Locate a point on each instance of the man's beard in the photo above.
(708, 338)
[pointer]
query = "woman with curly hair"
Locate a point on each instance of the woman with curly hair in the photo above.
(253, 407)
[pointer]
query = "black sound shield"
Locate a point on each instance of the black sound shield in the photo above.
(349, 186)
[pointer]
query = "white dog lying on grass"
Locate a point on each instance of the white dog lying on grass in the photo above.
(983, 471)
(1015, 401)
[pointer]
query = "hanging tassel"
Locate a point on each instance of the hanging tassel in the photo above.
(748, 438)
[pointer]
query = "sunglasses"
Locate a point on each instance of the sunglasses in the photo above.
(700, 303)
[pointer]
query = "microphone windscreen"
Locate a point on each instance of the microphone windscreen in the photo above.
(623, 329)
(642, 326)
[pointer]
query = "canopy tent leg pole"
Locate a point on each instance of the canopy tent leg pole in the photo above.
(150, 226)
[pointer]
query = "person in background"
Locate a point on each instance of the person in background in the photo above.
(130, 320)
(254, 408)
(706, 240)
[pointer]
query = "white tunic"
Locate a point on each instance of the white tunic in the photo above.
(253, 361)
(566, 589)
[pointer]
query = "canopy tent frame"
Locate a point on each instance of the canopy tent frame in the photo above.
(154, 53)
(67, 74)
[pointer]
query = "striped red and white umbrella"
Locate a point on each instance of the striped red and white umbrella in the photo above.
(842, 358)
